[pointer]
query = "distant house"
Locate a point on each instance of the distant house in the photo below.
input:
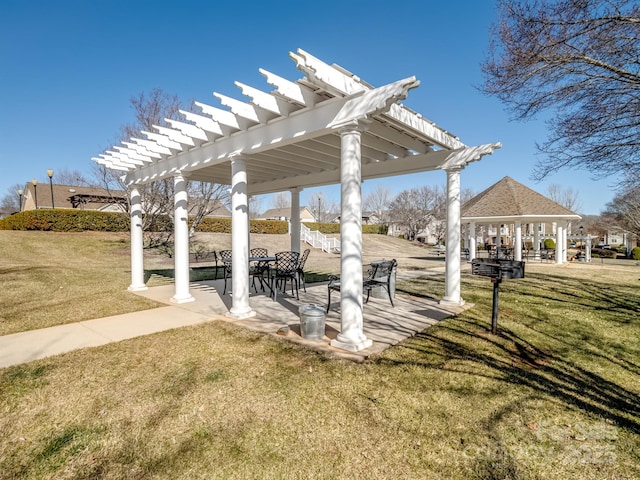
(285, 214)
(74, 197)
(91, 198)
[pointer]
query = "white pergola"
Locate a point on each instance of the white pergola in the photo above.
(327, 127)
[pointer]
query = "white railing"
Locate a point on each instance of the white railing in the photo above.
(319, 240)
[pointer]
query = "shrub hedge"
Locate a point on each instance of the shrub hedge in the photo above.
(635, 253)
(66, 221)
(63, 220)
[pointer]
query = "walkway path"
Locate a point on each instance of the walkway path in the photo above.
(384, 325)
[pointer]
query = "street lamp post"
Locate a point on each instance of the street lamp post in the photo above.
(20, 192)
(581, 228)
(35, 191)
(50, 174)
(319, 207)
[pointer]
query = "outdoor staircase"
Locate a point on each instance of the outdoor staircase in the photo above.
(319, 240)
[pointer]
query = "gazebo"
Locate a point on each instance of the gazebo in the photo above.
(327, 127)
(510, 202)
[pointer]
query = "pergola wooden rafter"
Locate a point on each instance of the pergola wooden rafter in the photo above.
(325, 128)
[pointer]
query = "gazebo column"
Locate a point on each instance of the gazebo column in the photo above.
(137, 251)
(536, 242)
(472, 241)
(239, 241)
(295, 220)
(518, 242)
(351, 336)
(559, 242)
(452, 259)
(181, 241)
(567, 232)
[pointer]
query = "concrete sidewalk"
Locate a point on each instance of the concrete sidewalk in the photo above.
(25, 347)
(383, 324)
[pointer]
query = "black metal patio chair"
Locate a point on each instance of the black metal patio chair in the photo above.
(258, 269)
(285, 268)
(381, 274)
(225, 257)
(300, 269)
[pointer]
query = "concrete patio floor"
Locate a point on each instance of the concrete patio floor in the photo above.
(383, 324)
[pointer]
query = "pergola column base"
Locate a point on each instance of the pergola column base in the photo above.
(451, 302)
(186, 299)
(240, 315)
(351, 345)
(137, 288)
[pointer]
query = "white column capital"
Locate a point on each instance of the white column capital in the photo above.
(354, 125)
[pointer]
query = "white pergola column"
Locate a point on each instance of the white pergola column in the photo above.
(181, 241)
(518, 242)
(295, 220)
(559, 242)
(472, 241)
(137, 250)
(536, 242)
(351, 336)
(239, 241)
(452, 260)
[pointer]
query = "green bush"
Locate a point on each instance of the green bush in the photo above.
(635, 253)
(61, 220)
(549, 243)
(334, 228)
(67, 220)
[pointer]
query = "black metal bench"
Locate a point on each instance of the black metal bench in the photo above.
(380, 275)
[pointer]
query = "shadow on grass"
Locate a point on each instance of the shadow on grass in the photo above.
(548, 360)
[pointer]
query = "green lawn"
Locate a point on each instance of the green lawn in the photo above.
(554, 395)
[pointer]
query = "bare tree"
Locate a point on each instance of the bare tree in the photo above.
(567, 197)
(10, 202)
(323, 208)
(377, 202)
(625, 209)
(465, 195)
(205, 199)
(255, 206)
(417, 208)
(157, 198)
(64, 176)
(281, 200)
(579, 60)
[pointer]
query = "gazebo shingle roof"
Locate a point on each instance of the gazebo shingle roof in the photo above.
(509, 198)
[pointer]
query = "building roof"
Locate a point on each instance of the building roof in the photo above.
(286, 213)
(510, 200)
(70, 196)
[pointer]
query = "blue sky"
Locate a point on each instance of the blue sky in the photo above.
(70, 68)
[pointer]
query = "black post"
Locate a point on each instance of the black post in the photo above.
(53, 205)
(494, 310)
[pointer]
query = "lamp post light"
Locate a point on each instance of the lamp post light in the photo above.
(35, 191)
(581, 228)
(50, 174)
(20, 192)
(319, 207)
